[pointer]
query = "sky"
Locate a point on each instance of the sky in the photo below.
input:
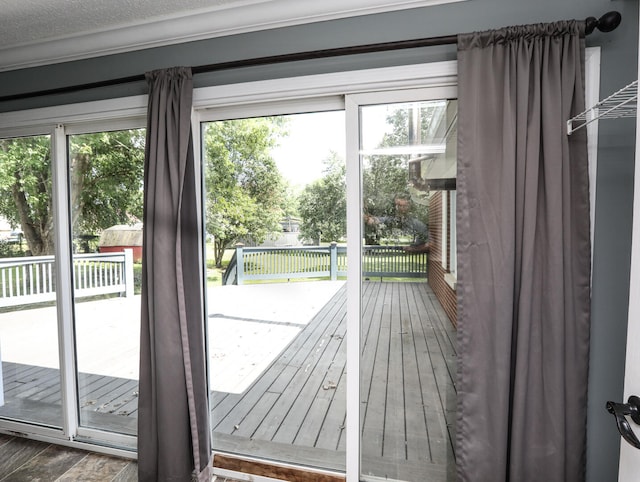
(311, 139)
(313, 136)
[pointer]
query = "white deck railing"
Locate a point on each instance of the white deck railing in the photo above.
(260, 263)
(32, 279)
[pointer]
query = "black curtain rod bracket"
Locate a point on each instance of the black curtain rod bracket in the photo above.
(606, 23)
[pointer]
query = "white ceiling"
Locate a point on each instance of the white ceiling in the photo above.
(28, 21)
(37, 32)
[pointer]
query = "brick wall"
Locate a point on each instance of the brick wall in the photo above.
(445, 294)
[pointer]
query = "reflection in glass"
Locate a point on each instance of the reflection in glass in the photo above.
(30, 386)
(276, 264)
(407, 340)
(106, 177)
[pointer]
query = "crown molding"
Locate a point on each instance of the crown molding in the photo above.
(240, 18)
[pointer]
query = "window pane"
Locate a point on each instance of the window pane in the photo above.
(276, 302)
(407, 367)
(106, 178)
(30, 386)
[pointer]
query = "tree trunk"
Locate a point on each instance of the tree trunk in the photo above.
(218, 251)
(79, 166)
(39, 237)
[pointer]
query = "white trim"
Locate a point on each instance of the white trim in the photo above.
(273, 108)
(50, 436)
(125, 443)
(24, 428)
(592, 94)
(64, 297)
(354, 287)
(304, 88)
(242, 17)
(125, 108)
(453, 260)
(444, 226)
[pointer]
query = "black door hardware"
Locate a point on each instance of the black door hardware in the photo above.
(619, 411)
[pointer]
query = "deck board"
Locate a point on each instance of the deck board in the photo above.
(295, 410)
(406, 385)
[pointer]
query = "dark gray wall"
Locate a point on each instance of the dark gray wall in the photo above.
(615, 153)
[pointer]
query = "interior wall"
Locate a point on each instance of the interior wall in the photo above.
(615, 152)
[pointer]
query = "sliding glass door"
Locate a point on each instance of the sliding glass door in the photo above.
(330, 271)
(331, 338)
(70, 238)
(403, 176)
(30, 386)
(105, 186)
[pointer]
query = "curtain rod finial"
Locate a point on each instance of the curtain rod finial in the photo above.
(607, 23)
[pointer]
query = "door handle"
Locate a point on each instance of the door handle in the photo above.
(619, 411)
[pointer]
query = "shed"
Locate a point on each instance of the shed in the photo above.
(116, 238)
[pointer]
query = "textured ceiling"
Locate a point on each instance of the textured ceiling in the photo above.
(42, 32)
(33, 21)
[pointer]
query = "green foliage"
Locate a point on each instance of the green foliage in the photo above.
(25, 189)
(323, 204)
(107, 176)
(11, 250)
(137, 278)
(106, 172)
(245, 191)
(290, 202)
(386, 176)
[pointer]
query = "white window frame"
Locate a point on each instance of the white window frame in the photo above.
(444, 226)
(453, 253)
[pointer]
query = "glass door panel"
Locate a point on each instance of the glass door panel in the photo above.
(275, 217)
(106, 180)
(407, 364)
(29, 359)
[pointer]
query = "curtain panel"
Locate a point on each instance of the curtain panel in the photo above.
(524, 256)
(173, 424)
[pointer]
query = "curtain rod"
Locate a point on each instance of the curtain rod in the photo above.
(608, 22)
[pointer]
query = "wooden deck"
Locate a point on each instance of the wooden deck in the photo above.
(295, 410)
(32, 393)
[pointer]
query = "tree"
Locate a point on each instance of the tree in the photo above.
(386, 176)
(107, 171)
(25, 190)
(323, 203)
(245, 190)
(105, 184)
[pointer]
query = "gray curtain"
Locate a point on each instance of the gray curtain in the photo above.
(524, 256)
(173, 425)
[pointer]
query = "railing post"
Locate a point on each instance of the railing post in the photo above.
(333, 265)
(240, 263)
(128, 272)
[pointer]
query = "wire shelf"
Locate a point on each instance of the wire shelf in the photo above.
(622, 103)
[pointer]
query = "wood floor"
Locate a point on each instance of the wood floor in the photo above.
(295, 411)
(23, 460)
(30, 460)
